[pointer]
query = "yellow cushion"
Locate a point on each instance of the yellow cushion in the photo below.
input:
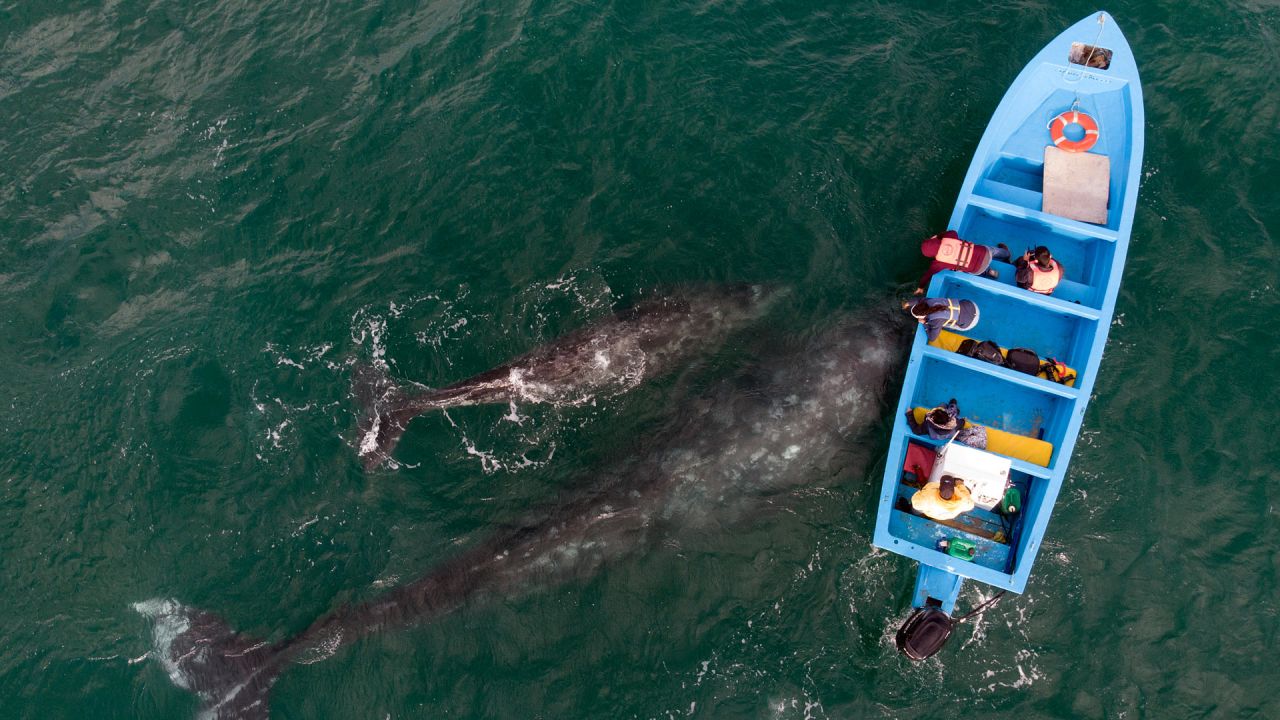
(1019, 447)
(950, 342)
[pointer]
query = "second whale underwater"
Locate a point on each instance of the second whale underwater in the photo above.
(729, 451)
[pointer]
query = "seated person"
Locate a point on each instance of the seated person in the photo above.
(939, 313)
(944, 422)
(943, 500)
(1037, 271)
(940, 423)
(949, 252)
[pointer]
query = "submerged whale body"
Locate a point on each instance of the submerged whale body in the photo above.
(730, 449)
(603, 359)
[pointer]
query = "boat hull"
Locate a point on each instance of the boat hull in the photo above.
(1016, 175)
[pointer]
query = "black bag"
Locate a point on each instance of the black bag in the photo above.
(986, 351)
(1022, 360)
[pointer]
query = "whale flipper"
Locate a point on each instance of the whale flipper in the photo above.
(231, 673)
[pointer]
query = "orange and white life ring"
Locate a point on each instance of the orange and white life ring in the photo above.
(1073, 117)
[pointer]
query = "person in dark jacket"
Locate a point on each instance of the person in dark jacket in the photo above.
(944, 423)
(940, 423)
(937, 314)
(949, 252)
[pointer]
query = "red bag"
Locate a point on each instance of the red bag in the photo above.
(920, 459)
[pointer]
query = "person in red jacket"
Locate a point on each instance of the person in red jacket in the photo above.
(949, 252)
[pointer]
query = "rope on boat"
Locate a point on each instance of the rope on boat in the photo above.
(1102, 21)
(981, 608)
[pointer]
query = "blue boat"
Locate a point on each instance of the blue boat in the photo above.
(1058, 166)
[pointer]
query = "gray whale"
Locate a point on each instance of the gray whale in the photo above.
(729, 450)
(609, 357)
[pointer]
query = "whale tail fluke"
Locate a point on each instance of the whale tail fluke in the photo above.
(386, 409)
(382, 421)
(231, 673)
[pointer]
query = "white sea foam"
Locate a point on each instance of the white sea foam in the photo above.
(804, 707)
(274, 435)
(513, 415)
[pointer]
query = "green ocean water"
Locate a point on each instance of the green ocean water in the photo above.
(210, 212)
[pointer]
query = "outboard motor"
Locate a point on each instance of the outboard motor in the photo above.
(924, 633)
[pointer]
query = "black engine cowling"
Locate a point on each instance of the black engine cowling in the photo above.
(924, 633)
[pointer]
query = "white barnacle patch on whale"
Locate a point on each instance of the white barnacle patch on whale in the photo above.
(169, 621)
(369, 442)
(322, 647)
